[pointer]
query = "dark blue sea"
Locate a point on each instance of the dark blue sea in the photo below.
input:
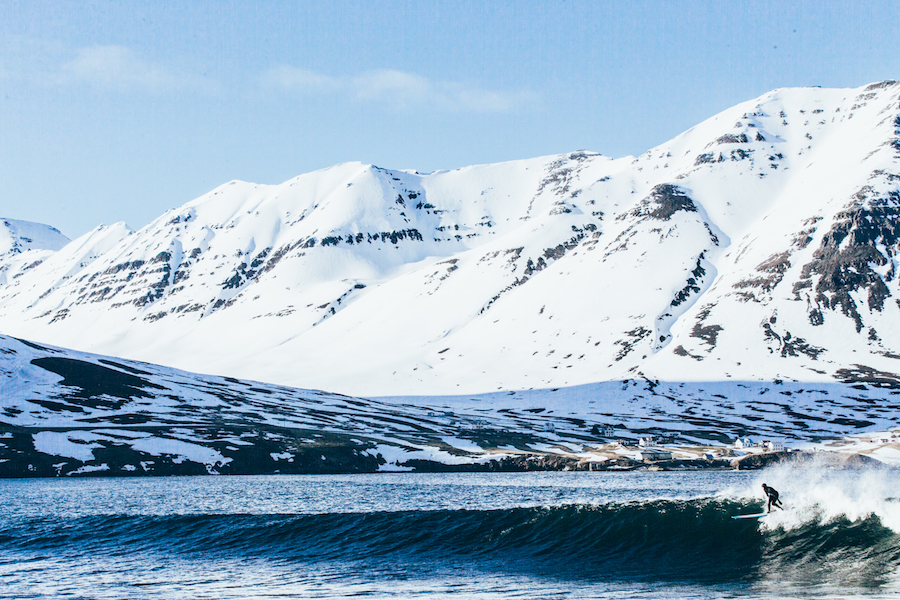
(485, 536)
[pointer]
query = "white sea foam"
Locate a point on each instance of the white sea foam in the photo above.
(818, 492)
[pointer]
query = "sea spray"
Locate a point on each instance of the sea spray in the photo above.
(815, 491)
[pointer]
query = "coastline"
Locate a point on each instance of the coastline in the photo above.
(20, 457)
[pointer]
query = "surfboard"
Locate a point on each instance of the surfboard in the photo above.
(756, 516)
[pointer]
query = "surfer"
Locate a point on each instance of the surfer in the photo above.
(772, 494)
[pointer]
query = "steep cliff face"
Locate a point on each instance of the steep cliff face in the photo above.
(759, 245)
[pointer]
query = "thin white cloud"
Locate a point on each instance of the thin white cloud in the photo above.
(299, 80)
(398, 89)
(116, 67)
(121, 68)
(394, 87)
(105, 67)
(404, 89)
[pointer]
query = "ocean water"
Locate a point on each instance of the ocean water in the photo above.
(484, 536)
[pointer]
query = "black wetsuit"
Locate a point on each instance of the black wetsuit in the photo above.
(772, 493)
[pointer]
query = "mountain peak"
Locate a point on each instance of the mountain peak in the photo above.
(21, 236)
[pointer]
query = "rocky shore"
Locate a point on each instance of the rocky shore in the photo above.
(265, 453)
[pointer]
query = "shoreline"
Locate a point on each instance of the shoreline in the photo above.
(343, 459)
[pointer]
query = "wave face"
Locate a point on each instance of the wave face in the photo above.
(671, 540)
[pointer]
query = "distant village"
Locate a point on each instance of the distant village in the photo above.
(622, 451)
(656, 452)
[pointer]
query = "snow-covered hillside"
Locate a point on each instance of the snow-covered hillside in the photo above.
(759, 245)
(71, 413)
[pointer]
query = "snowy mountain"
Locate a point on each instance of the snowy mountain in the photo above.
(759, 246)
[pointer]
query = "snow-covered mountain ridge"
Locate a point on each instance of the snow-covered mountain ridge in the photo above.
(759, 245)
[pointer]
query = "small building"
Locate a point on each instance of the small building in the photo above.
(647, 441)
(606, 431)
(596, 464)
(653, 455)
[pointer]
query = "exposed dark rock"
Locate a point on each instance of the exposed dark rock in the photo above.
(126, 266)
(634, 337)
(868, 376)
(279, 254)
(692, 284)
(843, 263)
(788, 344)
(823, 459)
(93, 381)
(271, 451)
(756, 461)
(663, 202)
(509, 464)
(729, 138)
(161, 257)
(774, 269)
(561, 173)
(395, 236)
(707, 333)
(803, 238)
(245, 272)
(36, 346)
(880, 85)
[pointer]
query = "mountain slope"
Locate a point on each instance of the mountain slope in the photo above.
(760, 245)
(67, 413)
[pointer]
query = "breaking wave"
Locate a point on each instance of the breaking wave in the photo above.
(672, 540)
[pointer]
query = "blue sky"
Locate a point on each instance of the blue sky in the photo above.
(116, 111)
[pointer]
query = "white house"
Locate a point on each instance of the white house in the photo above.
(644, 442)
